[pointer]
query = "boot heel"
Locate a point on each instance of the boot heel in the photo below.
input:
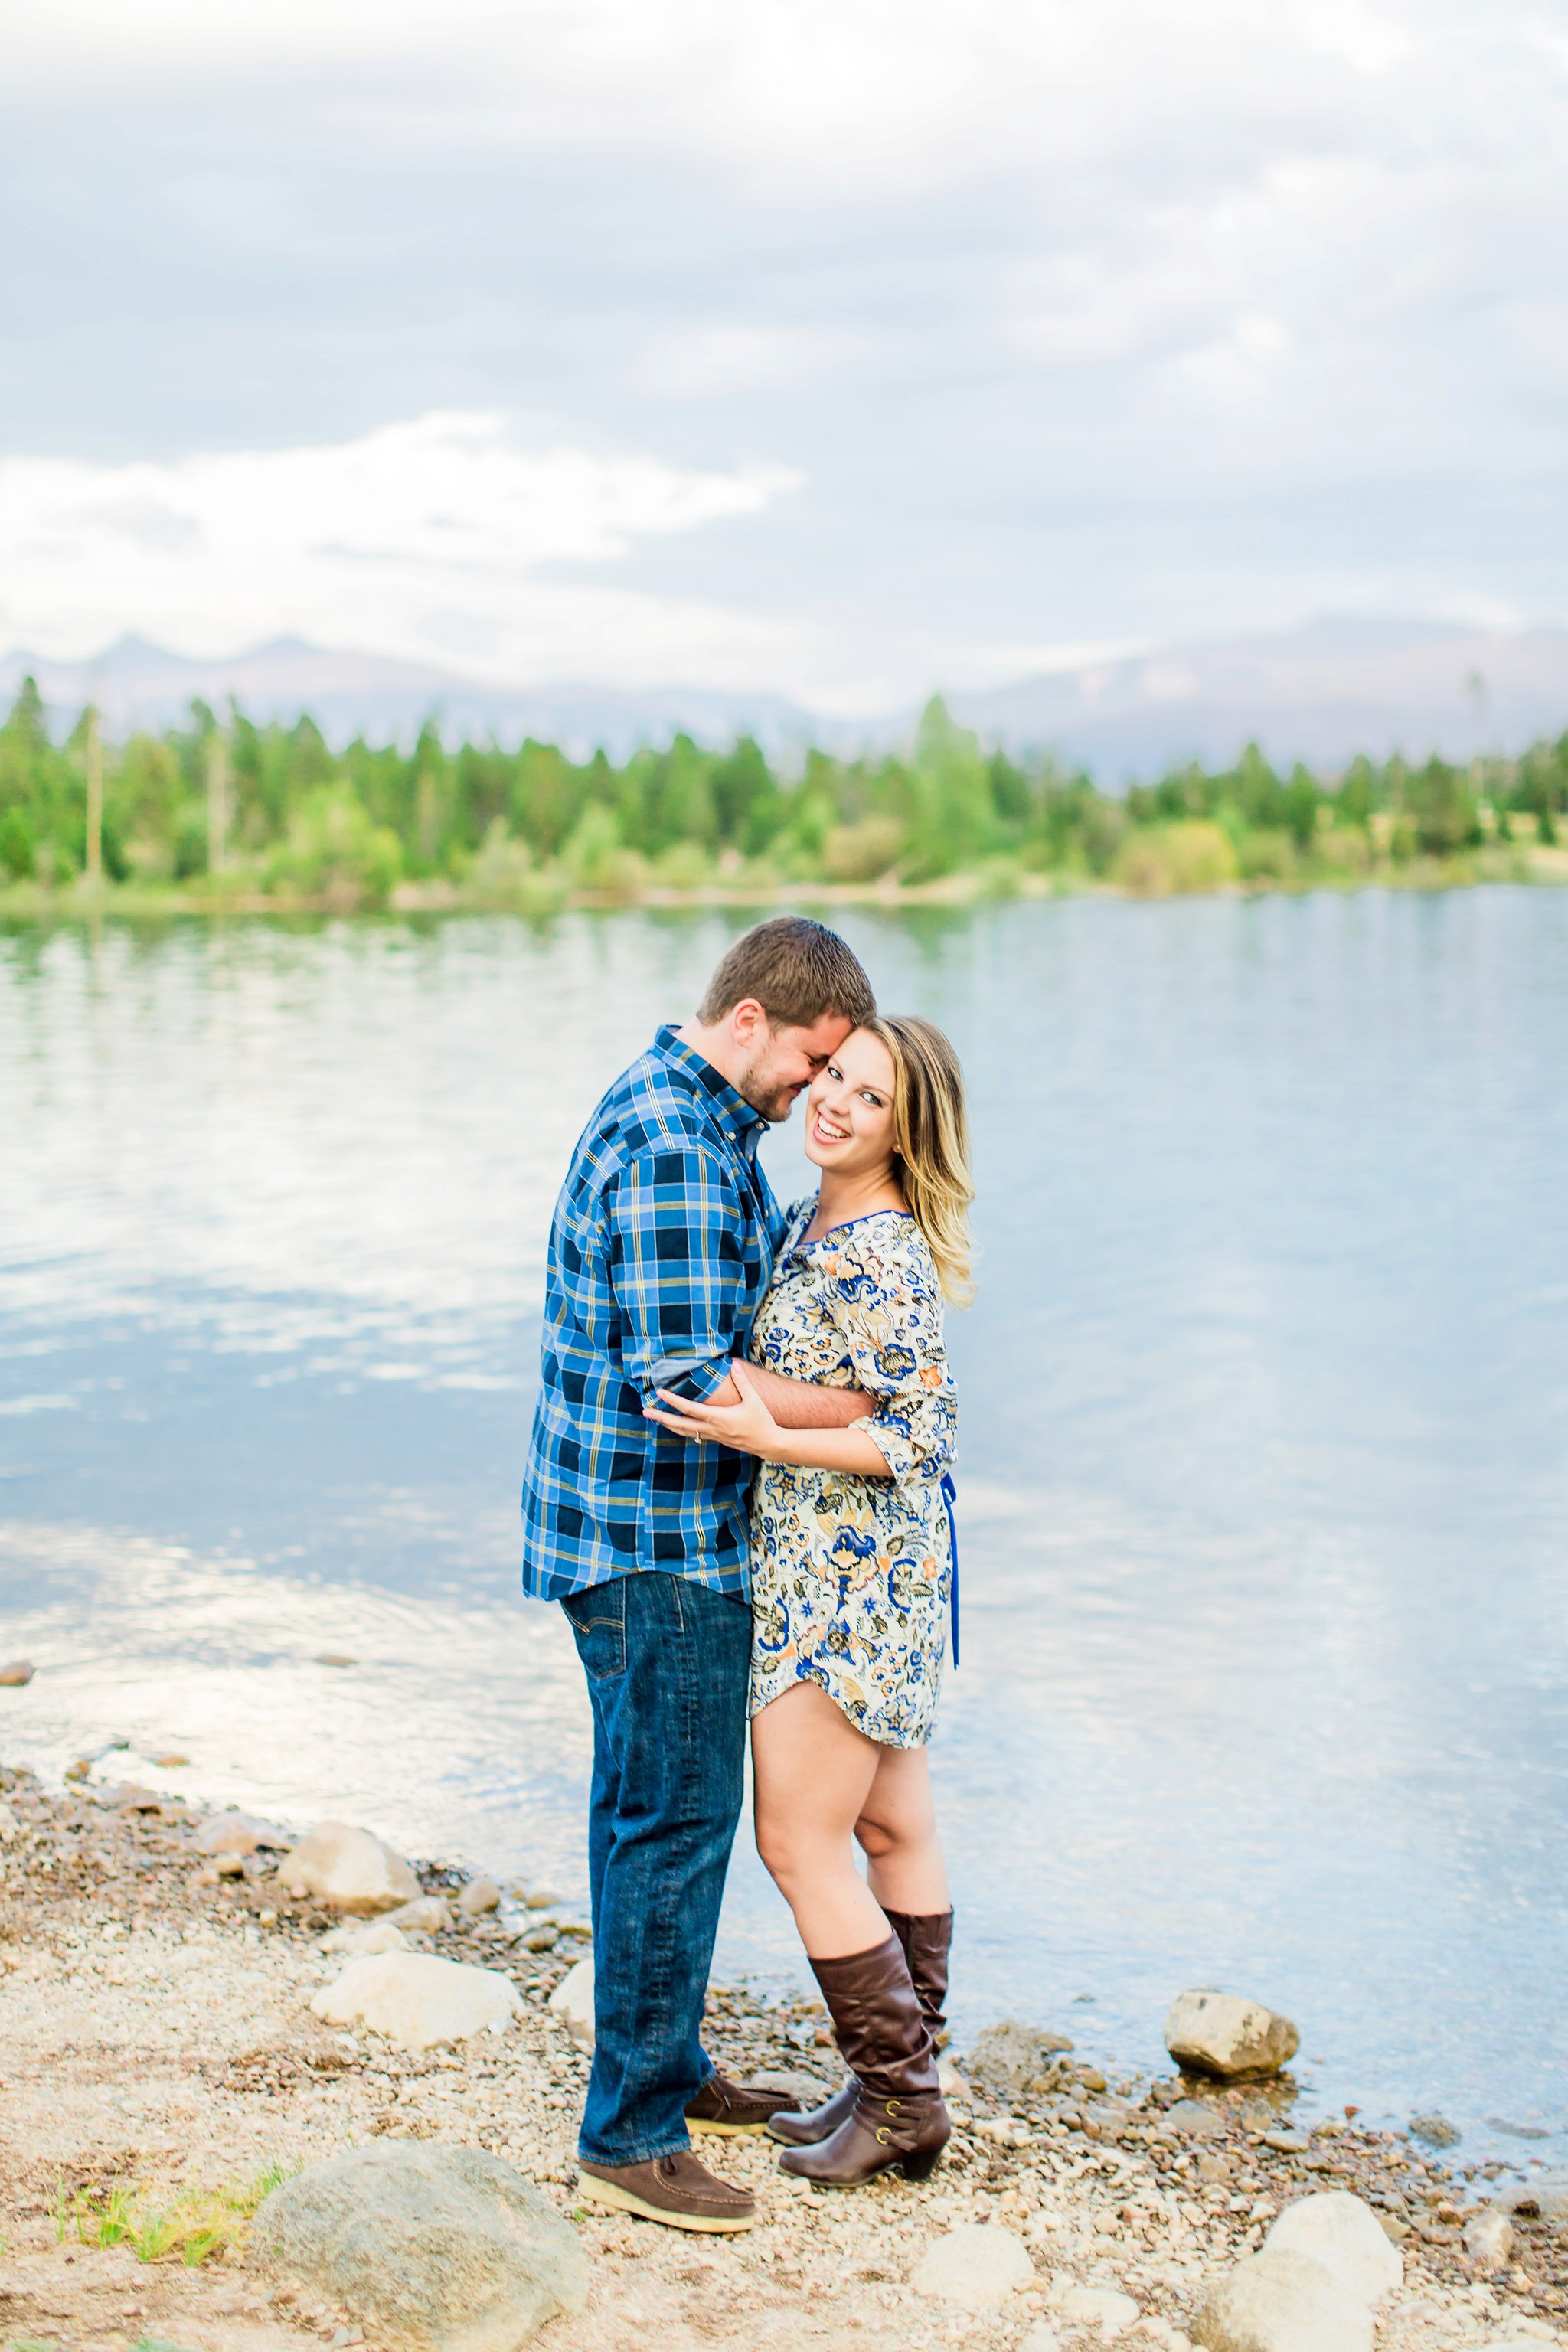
(922, 2164)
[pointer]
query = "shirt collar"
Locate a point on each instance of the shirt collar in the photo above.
(729, 1110)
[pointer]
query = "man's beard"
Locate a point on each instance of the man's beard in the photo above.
(765, 1093)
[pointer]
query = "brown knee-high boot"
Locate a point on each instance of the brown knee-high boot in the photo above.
(927, 1941)
(897, 2116)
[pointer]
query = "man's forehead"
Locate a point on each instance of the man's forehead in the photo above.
(824, 1037)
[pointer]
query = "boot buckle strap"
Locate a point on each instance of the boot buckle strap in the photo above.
(884, 2136)
(895, 2106)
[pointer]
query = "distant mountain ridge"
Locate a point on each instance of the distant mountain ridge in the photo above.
(1319, 693)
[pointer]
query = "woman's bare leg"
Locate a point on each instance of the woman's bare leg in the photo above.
(897, 1830)
(813, 1775)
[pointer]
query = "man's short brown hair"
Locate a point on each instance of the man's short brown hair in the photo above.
(797, 971)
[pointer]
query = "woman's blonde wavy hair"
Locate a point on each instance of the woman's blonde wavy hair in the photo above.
(930, 1125)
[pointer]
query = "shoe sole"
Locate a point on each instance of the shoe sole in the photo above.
(622, 2200)
(725, 2131)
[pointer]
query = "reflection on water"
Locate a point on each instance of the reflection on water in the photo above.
(1265, 1467)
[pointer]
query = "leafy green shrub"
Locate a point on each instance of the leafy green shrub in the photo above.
(594, 857)
(1267, 854)
(863, 852)
(1162, 861)
(18, 847)
(334, 850)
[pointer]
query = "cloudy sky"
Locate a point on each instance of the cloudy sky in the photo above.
(837, 347)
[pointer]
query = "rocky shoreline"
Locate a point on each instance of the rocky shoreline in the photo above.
(161, 2067)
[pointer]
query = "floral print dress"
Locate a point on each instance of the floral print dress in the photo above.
(850, 1576)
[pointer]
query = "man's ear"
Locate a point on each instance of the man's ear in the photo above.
(748, 1020)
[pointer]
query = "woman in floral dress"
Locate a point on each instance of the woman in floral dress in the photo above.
(852, 1562)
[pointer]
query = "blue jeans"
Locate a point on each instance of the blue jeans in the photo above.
(667, 1664)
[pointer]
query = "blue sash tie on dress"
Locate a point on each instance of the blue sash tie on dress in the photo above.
(950, 1497)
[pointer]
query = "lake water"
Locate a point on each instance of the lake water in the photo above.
(1264, 1477)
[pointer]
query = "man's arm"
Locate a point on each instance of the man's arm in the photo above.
(799, 1404)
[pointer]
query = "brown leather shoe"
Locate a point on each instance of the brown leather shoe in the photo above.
(675, 2190)
(927, 1940)
(722, 2106)
(897, 2116)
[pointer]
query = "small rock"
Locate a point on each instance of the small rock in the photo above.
(1098, 2307)
(335, 1658)
(1489, 2238)
(9, 1824)
(17, 1675)
(1280, 2303)
(1436, 2130)
(431, 2249)
(1011, 2057)
(977, 2263)
(364, 1943)
(1287, 2143)
(539, 1939)
(480, 1894)
(415, 2000)
(229, 1865)
(1337, 2229)
(949, 2081)
(573, 2002)
(1218, 2033)
(425, 1916)
(348, 1870)
(1041, 2337)
(228, 1833)
(1192, 2119)
(1546, 2197)
(542, 1898)
(169, 1761)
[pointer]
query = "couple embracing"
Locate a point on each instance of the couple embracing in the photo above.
(738, 1490)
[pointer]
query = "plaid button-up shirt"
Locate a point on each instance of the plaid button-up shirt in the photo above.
(660, 1250)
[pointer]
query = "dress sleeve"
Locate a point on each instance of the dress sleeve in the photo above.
(886, 1301)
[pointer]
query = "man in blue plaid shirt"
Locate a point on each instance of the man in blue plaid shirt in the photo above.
(660, 1252)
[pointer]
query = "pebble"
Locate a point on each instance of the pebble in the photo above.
(228, 1833)
(8, 1825)
(364, 1943)
(1212, 2033)
(1011, 2057)
(1547, 2197)
(573, 2002)
(348, 1870)
(17, 1674)
(1436, 2130)
(1192, 2119)
(1098, 2307)
(415, 2000)
(1489, 2238)
(425, 1916)
(1041, 2337)
(480, 1894)
(977, 2263)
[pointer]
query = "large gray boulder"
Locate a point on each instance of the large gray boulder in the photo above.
(1219, 2034)
(1342, 2233)
(430, 2248)
(1281, 2302)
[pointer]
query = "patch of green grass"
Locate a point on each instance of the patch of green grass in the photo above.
(196, 2224)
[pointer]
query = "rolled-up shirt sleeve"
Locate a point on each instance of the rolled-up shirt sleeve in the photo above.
(677, 1270)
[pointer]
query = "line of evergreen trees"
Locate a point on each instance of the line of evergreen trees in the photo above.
(227, 806)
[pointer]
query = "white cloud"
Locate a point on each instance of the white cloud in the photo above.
(437, 538)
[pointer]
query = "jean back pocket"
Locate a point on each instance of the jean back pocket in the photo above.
(598, 1621)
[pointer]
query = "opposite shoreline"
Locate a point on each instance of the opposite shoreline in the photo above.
(159, 2057)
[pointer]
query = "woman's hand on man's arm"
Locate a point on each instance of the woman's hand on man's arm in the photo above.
(750, 1426)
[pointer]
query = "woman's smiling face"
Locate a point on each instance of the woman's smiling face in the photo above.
(850, 1111)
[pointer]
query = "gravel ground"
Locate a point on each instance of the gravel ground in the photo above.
(156, 2042)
